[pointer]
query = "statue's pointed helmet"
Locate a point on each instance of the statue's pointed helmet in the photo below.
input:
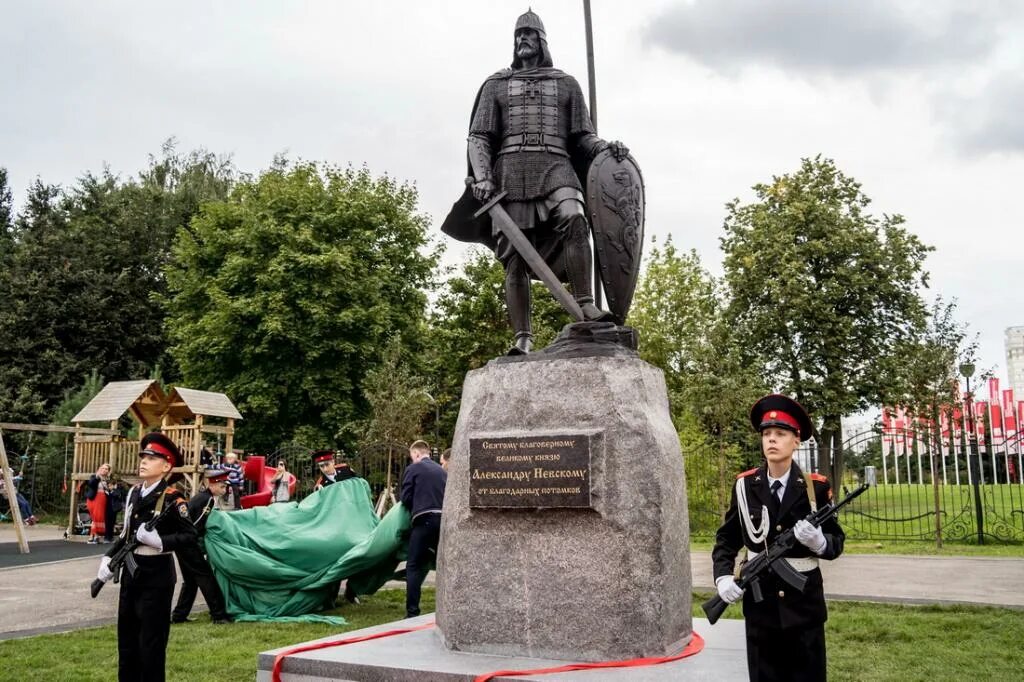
(532, 21)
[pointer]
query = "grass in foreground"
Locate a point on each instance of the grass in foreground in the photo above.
(872, 642)
(196, 651)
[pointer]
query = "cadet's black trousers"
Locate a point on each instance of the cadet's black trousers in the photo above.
(144, 619)
(196, 574)
(786, 654)
(426, 531)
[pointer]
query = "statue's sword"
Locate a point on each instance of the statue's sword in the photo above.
(503, 221)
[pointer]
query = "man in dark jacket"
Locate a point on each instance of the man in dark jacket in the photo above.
(423, 495)
(196, 573)
(786, 630)
(144, 606)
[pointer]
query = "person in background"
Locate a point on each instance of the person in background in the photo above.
(423, 495)
(96, 503)
(445, 454)
(196, 573)
(330, 472)
(27, 517)
(235, 478)
(115, 503)
(279, 483)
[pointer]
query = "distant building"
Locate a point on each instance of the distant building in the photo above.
(1015, 360)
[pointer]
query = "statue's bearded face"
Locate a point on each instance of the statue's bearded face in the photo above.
(527, 43)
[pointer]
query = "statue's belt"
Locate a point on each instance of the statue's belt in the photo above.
(534, 142)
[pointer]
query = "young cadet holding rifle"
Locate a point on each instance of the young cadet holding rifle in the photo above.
(785, 627)
(147, 581)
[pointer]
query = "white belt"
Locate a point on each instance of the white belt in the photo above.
(804, 564)
(146, 550)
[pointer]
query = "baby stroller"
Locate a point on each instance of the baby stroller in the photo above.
(83, 520)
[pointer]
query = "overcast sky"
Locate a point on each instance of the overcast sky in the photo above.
(920, 101)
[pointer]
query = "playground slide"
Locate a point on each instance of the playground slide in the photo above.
(256, 470)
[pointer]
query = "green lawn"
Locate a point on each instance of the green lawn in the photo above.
(196, 651)
(865, 642)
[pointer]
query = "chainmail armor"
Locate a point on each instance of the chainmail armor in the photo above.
(529, 175)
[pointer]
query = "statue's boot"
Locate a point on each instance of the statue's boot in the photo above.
(519, 303)
(523, 344)
(579, 265)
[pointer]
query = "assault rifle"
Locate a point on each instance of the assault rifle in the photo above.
(773, 560)
(126, 555)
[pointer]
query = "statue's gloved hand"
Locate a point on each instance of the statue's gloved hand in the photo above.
(619, 150)
(810, 536)
(728, 590)
(483, 190)
(104, 574)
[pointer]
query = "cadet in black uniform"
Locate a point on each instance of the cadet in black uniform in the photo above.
(329, 471)
(144, 607)
(786, 631)
(195, 569)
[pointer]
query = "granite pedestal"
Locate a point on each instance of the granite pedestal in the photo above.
(421, 657)
(592, 562)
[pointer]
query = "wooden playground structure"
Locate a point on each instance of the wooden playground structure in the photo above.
(182, 415)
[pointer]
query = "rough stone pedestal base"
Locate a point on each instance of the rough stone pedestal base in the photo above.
(420, 657)
(607, 582)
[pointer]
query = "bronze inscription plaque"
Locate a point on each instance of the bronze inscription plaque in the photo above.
(530, 471)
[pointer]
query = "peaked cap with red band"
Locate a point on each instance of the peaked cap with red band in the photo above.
(159, 445)
(323, 456)
(215, 475)
(783, 412)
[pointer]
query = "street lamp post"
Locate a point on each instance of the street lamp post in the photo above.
(967, 370)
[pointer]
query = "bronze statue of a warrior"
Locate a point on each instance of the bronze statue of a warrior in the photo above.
(531, 141)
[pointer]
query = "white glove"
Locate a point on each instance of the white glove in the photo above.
(104, 575)
(150, 537)
(809, 536)
(728, 590)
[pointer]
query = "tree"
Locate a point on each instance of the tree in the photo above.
(84, 269)
(823, 294)
(468, 326)
(285, 294)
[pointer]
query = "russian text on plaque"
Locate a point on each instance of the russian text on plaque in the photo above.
(530, 471)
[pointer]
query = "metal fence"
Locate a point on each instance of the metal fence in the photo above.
(976, 495)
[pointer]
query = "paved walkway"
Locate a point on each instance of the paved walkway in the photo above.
(54, 596)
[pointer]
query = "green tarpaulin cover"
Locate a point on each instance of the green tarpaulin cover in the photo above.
(285, 561)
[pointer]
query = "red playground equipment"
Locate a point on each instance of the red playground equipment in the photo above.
(257, 471)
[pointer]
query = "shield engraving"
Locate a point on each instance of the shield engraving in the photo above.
(616, 204)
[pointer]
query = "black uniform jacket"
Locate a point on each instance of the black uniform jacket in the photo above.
(176, 529)
(199, 509)
(783, 606)
(341, 473)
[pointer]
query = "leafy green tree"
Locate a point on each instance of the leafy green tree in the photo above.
(84, 269)
(468, 326)
(673, 309)
(678, 313)
(822, 293)
(284, 295)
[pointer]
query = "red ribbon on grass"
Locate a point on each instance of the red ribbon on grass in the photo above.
(695, 646)
(279, 659)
